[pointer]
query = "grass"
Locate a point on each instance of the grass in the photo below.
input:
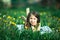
(9, 18)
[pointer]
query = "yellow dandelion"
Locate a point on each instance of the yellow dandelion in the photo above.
(49, 24)
(13, 23)
(23, 22)
(26, 27)
(59, 29)
(5, 20)
(0, 18)
(13, 18)
(19, 17)
(9, 17)
(59, 19)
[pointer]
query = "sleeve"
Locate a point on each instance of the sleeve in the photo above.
(46, 29)
(20, 27)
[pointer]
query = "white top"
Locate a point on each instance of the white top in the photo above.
(44, 29)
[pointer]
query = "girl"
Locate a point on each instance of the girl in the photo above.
(33, 23)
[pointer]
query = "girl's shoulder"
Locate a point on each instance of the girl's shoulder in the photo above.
(45, 29)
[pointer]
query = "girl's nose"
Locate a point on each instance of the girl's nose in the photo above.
(32, 20)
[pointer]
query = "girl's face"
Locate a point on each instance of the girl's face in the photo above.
(33, 20)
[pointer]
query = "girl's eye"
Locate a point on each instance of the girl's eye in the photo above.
(30, 18)
(34, 18)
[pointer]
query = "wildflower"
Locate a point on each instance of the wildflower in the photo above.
(9, 17)
(13, 23)
(53, 28)
(5, 20)
(26, 27)
(49, 24)
(19, 17)
(4, 15)
(57, 30)
(23, 22)
(0, 18)
(13, 18)
(59, 19)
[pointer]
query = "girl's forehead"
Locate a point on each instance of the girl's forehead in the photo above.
(32, 15)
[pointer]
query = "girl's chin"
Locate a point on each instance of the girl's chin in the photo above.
(33, 25)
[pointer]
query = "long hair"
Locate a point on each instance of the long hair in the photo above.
(27, 24)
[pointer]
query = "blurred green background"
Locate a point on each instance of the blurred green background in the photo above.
(12, 10)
